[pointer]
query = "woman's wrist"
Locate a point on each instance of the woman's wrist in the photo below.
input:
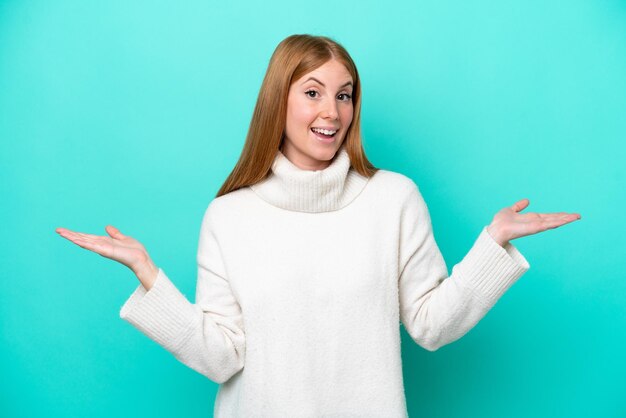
(495, 233)
(147, 273)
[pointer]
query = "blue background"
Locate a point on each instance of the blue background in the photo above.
(133, 114)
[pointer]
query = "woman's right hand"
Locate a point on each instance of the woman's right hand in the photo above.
(121, 248)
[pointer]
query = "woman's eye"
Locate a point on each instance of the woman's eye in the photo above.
(344, 97)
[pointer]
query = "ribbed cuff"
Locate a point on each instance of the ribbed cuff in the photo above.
(491, 269)
(162, 313)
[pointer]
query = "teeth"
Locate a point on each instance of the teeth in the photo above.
(324, 131)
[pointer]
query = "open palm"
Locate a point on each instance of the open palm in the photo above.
(121, 248)
(509, 224)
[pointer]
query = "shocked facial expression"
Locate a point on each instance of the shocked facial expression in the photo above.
(319, 112)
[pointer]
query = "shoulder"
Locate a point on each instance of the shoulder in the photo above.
(391, 182)
(228, 206)
(398, 192)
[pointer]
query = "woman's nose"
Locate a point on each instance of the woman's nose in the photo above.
(330, 110)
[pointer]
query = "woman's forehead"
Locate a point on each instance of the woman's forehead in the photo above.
(331, 72)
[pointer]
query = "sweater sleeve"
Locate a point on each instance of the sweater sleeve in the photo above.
(434, 308)
(207, 336)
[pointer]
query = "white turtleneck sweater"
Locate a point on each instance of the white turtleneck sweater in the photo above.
(303, 280)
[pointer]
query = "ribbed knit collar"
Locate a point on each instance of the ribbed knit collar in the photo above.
(292, 188)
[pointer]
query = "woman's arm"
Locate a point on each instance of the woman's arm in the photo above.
(207, 336)
(437, 309)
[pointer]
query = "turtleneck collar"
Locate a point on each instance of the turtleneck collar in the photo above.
(292, 188)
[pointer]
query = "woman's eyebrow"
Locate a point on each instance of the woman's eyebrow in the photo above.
(349, 83)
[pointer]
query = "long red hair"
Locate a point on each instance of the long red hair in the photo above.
(294, 57)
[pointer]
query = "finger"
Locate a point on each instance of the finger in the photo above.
(91, 246)
(102, 245)
(549, 216)
(67, 234)
(570, 217)
(552, 222)
(558, 222)
(559, 215)
(520, 205)
(562, 214)
(75, 235)
(67, 237)
(114, 232)
(75, 239)
(64, 231)
(85, 238)
(82, 243)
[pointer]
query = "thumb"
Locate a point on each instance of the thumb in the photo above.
(114, 232)
(520, 205)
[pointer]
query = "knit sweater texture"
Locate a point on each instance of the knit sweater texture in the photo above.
(303, 281)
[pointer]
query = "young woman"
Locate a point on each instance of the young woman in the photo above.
(310, 257)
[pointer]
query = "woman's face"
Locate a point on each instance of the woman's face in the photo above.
(319, 99)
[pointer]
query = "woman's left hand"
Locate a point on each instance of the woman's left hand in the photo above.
(508, 224)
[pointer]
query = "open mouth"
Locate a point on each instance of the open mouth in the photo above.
(324, 133)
